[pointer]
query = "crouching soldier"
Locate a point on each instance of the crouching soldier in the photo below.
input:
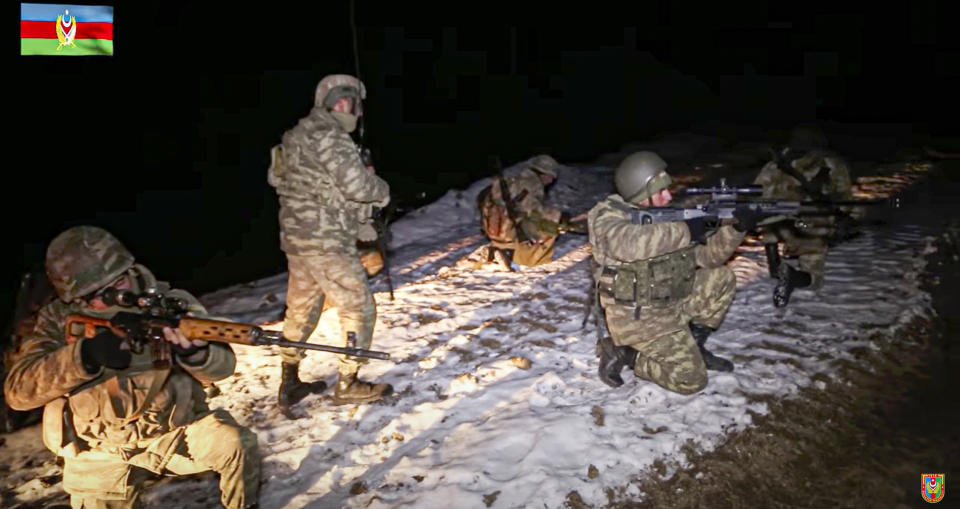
(805, 170)
(521, 228)
(109, 411)
(663, 287)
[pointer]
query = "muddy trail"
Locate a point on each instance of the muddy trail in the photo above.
(865, 440)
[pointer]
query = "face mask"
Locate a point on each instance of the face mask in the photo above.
(347, 121)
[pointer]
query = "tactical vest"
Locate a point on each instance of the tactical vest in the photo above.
(661, 281)
(293, 179)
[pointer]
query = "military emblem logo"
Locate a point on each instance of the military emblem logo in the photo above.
(66, 30)
(932, 487)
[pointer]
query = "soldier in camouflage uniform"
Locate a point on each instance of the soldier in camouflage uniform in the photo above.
(805, 240)
(327, 197)
(109, 412)
(539, 225)
(663, 287)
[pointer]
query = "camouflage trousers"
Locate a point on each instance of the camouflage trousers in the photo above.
(97, 479)
(339, 277)
(809, 251)
(529, 253)
(667, 354)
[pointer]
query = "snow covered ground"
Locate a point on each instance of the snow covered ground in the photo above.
(498, 401)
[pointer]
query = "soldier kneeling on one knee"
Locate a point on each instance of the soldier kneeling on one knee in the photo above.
(663, 287)
(113, 412)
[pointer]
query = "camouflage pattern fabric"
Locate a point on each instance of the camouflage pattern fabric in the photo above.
(536, 219)
(806, 240)
(666, 352)
(325, 190)
(83, 259)
(312, 281)
(35, 293)
(669, 356)
(327, 197)
(531, 254)
(780, 186)
(45, 369)
(215, 442)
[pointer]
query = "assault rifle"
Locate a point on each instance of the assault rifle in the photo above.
(510, 202)
(381, 221)
(145, 330)
(724, 200)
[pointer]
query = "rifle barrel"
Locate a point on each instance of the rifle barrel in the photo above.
(355, 352)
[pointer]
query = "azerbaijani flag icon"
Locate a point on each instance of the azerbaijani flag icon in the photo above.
(60, 29)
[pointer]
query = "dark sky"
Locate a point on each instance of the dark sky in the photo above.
(166, 144)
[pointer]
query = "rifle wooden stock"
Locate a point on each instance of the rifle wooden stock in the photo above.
(251, 335)
(142, 328)
(85, 327)
(220, 331)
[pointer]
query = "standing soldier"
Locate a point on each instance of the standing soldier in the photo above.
(663, 287)
(812, 173)
(521, 228)
(327, 197)
(110, 412)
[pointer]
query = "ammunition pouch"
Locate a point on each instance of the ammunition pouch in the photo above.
(58, 433)
(657, 282)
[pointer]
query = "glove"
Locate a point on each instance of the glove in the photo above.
(185, 353)
(746, 218)
(104, 350)
(698, 229)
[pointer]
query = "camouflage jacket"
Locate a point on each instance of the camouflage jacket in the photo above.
(325, 191)
(47, 371)
(528, 192)
(777, 185)
(616, 240)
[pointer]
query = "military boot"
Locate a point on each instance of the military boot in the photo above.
(773, 259)
(351, 389)
(713, 363)
(789, 279)
(292, 390)
(613, 359)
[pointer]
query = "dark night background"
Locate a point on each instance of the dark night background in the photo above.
(166, 144)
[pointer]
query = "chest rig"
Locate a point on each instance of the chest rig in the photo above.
(661, 281)
(658, 282)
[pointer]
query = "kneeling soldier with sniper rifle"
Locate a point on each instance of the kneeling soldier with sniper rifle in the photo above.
(139, 330)
(112, 409)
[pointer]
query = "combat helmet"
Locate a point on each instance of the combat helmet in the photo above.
(544, 164)
(335, 86)
(84, 259)
(640, 176)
